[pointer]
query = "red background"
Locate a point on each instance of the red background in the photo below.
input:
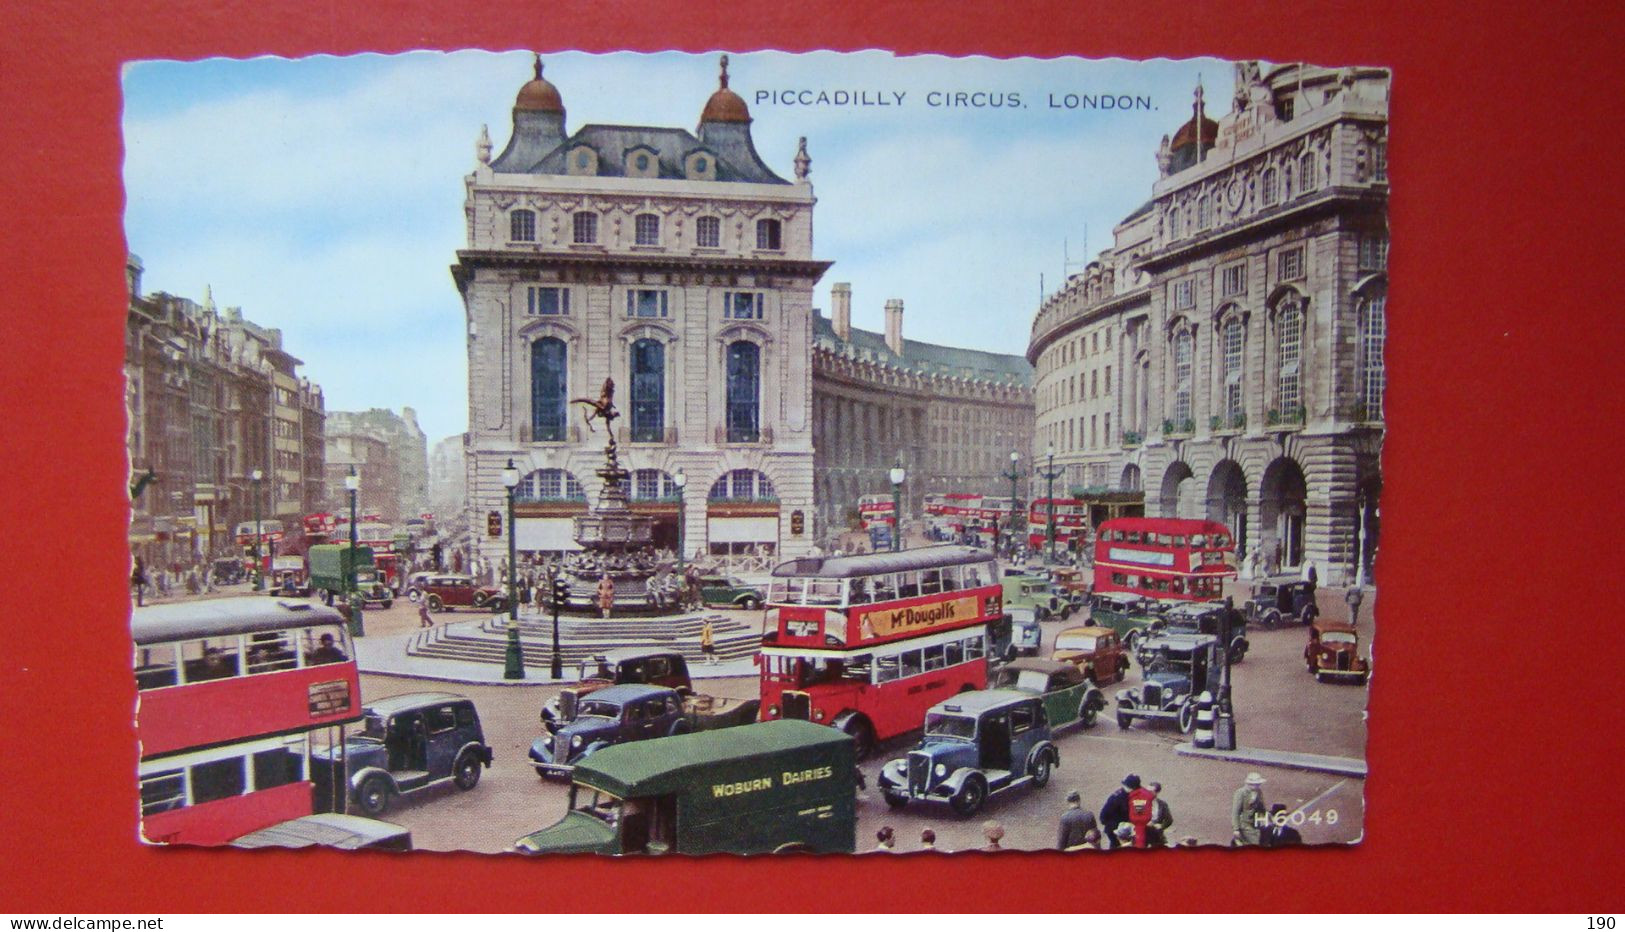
(1496, 714)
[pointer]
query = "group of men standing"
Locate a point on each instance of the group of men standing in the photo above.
(1135, 816)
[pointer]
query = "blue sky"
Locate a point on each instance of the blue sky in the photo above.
(324, 195)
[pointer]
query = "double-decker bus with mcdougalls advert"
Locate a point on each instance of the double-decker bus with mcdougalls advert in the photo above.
(867, 643)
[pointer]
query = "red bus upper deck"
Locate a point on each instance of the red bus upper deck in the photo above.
(1165, 558)
(223, 670)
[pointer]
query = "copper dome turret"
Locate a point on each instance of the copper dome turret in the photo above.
(725, 106)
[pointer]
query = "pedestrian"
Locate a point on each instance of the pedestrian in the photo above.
(606, 594)
(1275, 557)
(886, 840)
(1076, 823)
(138, 579)
(994, 833)
(1278, 831)
(708, 645)
(1162, 818)
(1310, 576)
(424, 621)
(1247, 811)
(1115, 811)
(1123, 836)
(1354, 597)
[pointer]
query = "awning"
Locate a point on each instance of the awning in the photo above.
(545, 534)
(743, 530)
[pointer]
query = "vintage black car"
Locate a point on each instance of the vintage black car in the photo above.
(632, 712)
(1178, 669)
(976, 744)
(407, 743)
(228, 571)
(1277, 599)
(1202, 618)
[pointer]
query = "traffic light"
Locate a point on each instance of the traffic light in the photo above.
(561, 591)
(493, 524)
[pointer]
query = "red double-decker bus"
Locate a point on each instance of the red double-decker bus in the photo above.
(867, 643)
(1165, 558)
(230, 693)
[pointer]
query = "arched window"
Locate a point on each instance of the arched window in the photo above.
(1289, 354)
(744, 391)
(1183, 350)
(547, 390)
(708, 232)
(1373, 323)
(743, 485)
(522, 226)
(549, 485)
(652, 485)
(768, 234)
(1230, 342)
(648, 366)
(1270, 187)
(1306, 173)
(647, 228)
(585, 227)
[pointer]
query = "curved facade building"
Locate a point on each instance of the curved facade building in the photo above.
(1226, 354)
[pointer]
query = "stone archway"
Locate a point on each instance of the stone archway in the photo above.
(1131, 478)
(1176, 490)
(1283, 505)
(1227, 501)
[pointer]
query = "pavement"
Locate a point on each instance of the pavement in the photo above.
(1322, 763)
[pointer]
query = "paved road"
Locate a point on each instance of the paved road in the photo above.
(1278, 704)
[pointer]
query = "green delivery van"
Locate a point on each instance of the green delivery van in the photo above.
(770, 787)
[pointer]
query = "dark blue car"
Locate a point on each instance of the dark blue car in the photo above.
(612, 715)
(407, 743)
(976, 744)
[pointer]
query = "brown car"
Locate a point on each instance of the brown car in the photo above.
(1333, 653)
(1098, 652)
(445, 592)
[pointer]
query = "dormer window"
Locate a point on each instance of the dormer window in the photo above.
(642, 162)
(646, 230)
(522, 226)
(700, 166)
(582, 160)
(768, 235)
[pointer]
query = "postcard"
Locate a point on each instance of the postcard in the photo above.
(512, 469)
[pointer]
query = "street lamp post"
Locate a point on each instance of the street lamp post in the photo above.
(352, 484)
(898, 474)
(680, 479)
(514, 668)
(1014, 475)
(259, 576)
(1049, 474)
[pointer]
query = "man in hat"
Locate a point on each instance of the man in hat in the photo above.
(1115, 812)
(1123, 836)
(1247, 811)
(886, 840)
(1278, 831)
(1076, 822)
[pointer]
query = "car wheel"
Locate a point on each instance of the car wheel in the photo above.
(388, 602)
(466, 772)
(749, 603)
(1320, 677)
(1066, 612)
(681, 727)
(1041, 768)
(863, 736)
(1132, 642)
(894, 800)
(1238, 652)
(1125, 718)
(436, 604)
(970, 797)
(1088, 714)
(1271, 619)
(373, 797)
(413, 595)
(1187, 717)
(1122, 668)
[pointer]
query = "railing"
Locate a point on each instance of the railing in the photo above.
(1227, 422)
(762, 435)
(572, 434)
(1288, 417)
(1364, 415)
(1181, 428)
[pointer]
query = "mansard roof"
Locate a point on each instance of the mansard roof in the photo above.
(930, 358)
(736, 158)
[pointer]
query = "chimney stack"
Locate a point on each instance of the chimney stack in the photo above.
(894, 325)
(840, 299)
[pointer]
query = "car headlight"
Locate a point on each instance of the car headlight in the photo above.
(575, 741)
(818, 715)
(773, 711)
(941, 770)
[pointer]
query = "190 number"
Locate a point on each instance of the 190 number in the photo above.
(1599, 922)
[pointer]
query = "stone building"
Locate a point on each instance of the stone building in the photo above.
(1226, 354)
(678, 264)
(447, 498)
(211, 397)
(351, 445)
(950, 416)
(402, 493)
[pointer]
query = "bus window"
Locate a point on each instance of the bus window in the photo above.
(973, 576)
(155, 666)
(935, 659)
(163, 791)
(913, 663)
(322, 645)
(1177, 585)
(1198, 540)
(908, 585)
(973, 648)
(278, 767)
(209, 659)
(269, 651)
(824, 591)
(950, 578)
(776, 590)
(888, 669)
(1162, 585)
(1178, 540)
(885, 587)
(953, 653)
(794, 591)
(930, 582)
(858, 669)
(860, 590)
(217, 779)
